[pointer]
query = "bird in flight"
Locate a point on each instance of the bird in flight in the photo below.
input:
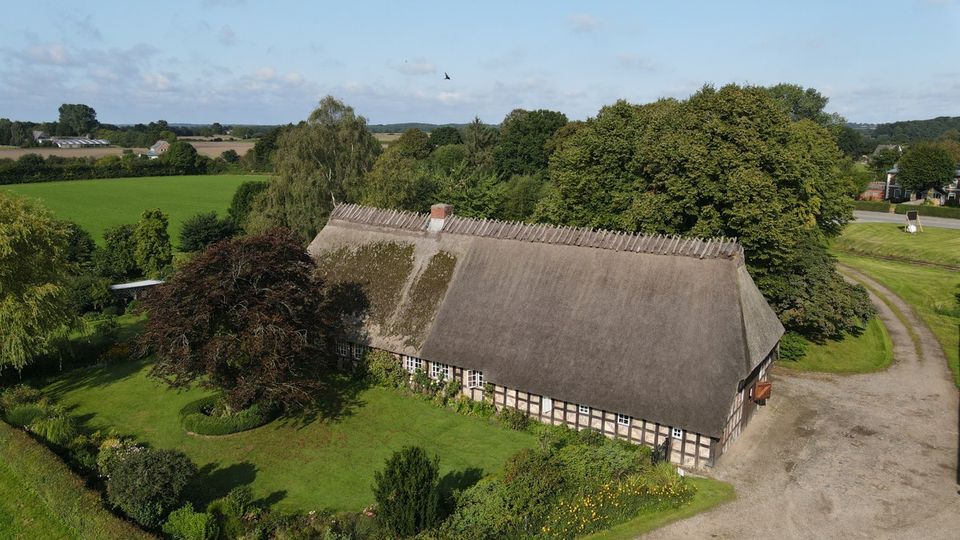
(445, 76)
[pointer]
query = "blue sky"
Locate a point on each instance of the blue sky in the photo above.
(236, 61)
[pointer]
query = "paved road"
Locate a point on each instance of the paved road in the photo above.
(858, 456)
(883, 217)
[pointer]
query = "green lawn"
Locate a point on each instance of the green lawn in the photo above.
(929, 291)
(293, 465)
(941, 246)
(23, 514)
(870, 351)
(710, 493)
(98, 204)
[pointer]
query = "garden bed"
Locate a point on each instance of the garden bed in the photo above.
(198, 418)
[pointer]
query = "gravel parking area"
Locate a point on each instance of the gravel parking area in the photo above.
(859, 456)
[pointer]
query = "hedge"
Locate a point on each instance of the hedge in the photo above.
(64, 493)
(193, 419)
(872, 206)
(932, 211)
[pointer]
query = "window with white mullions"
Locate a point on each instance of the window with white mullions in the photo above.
(677, 433)
(475, 379)
(412, 363)
(440, 371)
(359, 351)
(583, 409)
(546, 404)
(343, 349)
(623, 419)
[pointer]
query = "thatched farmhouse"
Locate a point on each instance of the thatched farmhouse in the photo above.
(651, 339)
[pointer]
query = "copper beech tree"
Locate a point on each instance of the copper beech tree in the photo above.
(248, 317)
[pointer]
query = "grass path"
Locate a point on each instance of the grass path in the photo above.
(98, 204)
(928, 291)
(293, 465)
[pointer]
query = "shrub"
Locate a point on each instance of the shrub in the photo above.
(591, 437)
(407, 491)
(483, 513)
(148, 484)
(589, 465)
(513, 418)
(203, 418)
(932, 211)
(554, 437)
(201, 230)
(422, 382)
(186, 524)
(872, 206)
(231, 509)
(470, 407)
(55, 426)
(384, 370)
(531, 479)
(24, 414)
(793, 347)
(18, 395)
(113, 450)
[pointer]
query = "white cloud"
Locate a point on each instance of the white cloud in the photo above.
(582, 22)
(265, 74)
(157, 82)
(48, 53)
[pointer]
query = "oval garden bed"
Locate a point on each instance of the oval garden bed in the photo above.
(202, 417)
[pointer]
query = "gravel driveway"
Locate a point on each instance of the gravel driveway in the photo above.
(859, 456)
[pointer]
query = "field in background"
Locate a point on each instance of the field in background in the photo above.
(387, 138)
(98, 204)
(298, 464)
(933, 245)
(207, 148)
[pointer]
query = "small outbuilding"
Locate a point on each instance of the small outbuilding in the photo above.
(658, 340)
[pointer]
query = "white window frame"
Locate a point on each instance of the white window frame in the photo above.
(343, 349)
(475, 379)
(440, 371)
(624, 419)
(412, 363)
(546, 404)
(583, 409)
(676, 433)
(358, 351)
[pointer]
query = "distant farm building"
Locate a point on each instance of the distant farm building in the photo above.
(78, 142)
(158, 149)
(658, 340)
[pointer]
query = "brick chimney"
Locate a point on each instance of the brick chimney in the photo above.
(439, 213)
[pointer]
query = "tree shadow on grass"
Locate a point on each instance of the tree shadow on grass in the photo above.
(213, 481)
(87, 378)
(340, 398)
(454, 482)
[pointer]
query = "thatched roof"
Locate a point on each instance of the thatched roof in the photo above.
(657, 327)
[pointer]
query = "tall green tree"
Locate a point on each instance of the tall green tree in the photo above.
(801, 103)
(445, 135)
(407, 491)
(200, 230)
(479, 140)
(117, 259)
(78, 119)
(34, 273)
(924, 166)
(882, 161)
(316, 162)
(727, 162)
(182, 155)
(522, 147)
(242, 200)
(153, 251)
(80, 245)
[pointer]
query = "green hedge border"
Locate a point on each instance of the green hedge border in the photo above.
(64, 493)
(931, 211)
(194, 421)
(872, 206)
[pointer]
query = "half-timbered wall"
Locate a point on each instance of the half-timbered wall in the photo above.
(686, 449)
(743, 407)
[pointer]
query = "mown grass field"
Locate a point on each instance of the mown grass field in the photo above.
(870, 351)
(293, 465)
(98, 204)
(934, 245)
(23, 515)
